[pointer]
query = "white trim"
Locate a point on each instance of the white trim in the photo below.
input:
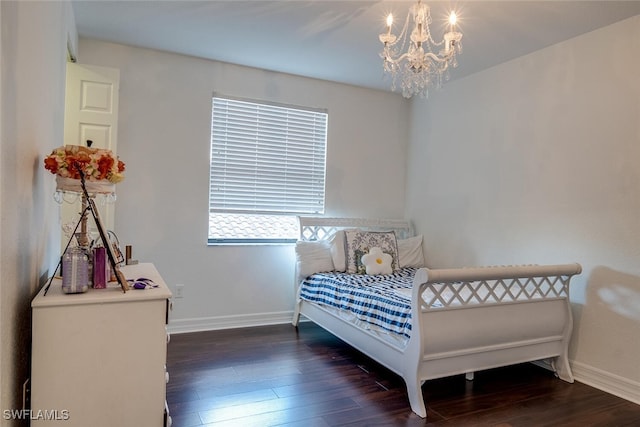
(602, 380)
(606, 381)
(72, 33)
(199, 324)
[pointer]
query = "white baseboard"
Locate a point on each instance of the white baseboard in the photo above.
(594, 377)
(606, 381)
(602, 380)
(179, 326)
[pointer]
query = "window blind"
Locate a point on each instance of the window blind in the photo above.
(266, 158)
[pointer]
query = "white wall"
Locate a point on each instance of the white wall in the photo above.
(164, 139)
(33, 56)
(536, 161)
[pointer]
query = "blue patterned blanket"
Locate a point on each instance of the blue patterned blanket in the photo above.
(380, 300)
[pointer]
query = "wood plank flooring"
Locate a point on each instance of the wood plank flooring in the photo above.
(279, 375)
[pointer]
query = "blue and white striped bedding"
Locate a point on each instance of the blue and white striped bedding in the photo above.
(381, 300)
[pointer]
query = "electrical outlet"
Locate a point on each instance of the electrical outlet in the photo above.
(179, 291)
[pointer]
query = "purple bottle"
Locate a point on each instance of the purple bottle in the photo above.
(99, 268)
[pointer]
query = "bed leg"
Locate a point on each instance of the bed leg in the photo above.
(296, 315)
(562, 369)
(469, 376)
(416, 400)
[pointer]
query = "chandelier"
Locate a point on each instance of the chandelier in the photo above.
(413, 59)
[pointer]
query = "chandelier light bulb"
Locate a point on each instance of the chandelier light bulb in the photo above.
(453, 18)
(389, 20)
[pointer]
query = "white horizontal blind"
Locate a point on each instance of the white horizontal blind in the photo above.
(266, 159)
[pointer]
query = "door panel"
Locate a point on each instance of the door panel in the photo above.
(91, 114)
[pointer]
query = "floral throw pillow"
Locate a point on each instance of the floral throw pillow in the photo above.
(358, 243)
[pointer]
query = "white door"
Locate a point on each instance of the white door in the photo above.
(91, 114)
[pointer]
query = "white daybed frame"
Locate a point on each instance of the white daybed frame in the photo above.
(482, 318)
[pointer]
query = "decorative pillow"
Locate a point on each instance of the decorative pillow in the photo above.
(410, 252)
(336, 244)
(358, 243)
(377, 262)
(313, 257)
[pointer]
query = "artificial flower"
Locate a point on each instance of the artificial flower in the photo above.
(96, 164)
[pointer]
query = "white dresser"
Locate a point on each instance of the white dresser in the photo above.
(99, 358)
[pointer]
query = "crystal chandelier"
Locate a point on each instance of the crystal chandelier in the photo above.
(413, 59)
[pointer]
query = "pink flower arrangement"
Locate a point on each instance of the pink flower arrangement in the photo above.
(97, 164)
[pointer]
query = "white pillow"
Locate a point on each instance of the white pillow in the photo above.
(313, 257)
(410, 252)
(338, 255)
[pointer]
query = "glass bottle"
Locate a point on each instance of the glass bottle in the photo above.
(75, 271)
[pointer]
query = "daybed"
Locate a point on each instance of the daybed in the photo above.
(458, 321)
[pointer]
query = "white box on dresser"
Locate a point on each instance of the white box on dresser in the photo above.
(99, 358)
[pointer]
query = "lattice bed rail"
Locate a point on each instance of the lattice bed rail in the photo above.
(321, 228)
(449, 288)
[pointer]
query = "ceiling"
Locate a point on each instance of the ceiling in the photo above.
(337, 40)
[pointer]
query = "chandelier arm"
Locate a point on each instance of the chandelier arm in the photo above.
(431, 55)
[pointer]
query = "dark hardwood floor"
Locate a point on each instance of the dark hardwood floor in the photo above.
(277, 375)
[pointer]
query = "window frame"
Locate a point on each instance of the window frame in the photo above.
(287, 139)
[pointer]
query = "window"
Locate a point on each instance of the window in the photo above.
(267, 166)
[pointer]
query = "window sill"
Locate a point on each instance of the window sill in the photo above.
(250, 243)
